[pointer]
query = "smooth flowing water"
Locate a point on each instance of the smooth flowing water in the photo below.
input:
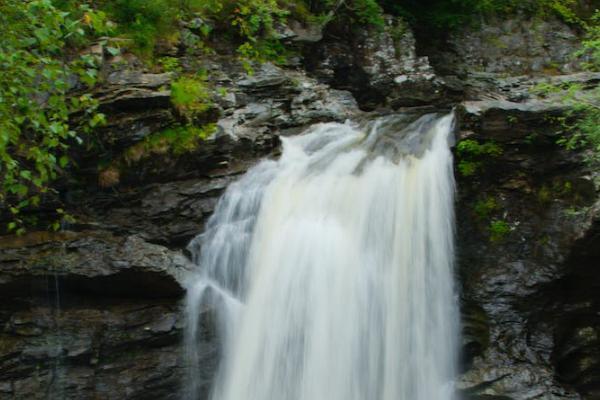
(330, 270)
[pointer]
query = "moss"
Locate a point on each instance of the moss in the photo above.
(468, 168)
(175, 140)
(558, 189)
(484, 207)
(544, 195)
(498, 230)
(179, 140)
(473, 155)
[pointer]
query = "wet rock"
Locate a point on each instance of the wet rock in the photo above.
(89, 348)
(139, 79)
(134, 99)
(169, 213)
(516, 45)
(513, 337)
(378, 66)
(276, 99)
(90, 262)
(316, 103)
(92, 315)
(505, 120)
(268, 75)
(307, 32)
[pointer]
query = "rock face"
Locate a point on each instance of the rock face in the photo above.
(518, 45)
(514, 280)
(89, 315)
(94, 311)
(380, 67)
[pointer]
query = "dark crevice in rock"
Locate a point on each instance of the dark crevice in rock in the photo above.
(134, 284)
(572, 309)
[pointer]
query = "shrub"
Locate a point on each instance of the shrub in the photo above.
(454, 14)
(190, 96)
(144, 20)
(581, 124)
(368, 12)
(472, 155)
(35, 112)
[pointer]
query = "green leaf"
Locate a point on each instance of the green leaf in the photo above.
(25, 174)
(113, 51)
(63, 161)
(19, 189)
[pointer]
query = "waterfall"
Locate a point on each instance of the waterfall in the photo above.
(330, 270)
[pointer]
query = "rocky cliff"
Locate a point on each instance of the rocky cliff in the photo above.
(94, 311)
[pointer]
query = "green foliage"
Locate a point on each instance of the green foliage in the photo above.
(144, 21)
(496, 227)
(564, 9)
(249, 23)
(175, 140)
(498, 230)
(558, 189)
(581, 124)
(472, 155)
(586, 103)
(485, 207)
(170, 64)
(35, 77)
(470, 147)
(368, 12)
(191, 96)
(591, 45)
(532, 138)
(179, 140)
(256, 18)
(454, 14)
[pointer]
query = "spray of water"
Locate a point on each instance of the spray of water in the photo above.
(330, 270)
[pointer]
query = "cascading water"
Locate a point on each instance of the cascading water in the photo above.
(331, 269)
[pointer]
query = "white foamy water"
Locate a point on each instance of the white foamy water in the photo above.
(330, 270)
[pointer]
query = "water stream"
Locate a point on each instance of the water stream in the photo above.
(331, 269)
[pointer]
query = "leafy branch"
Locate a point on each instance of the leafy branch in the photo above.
(36, 131)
